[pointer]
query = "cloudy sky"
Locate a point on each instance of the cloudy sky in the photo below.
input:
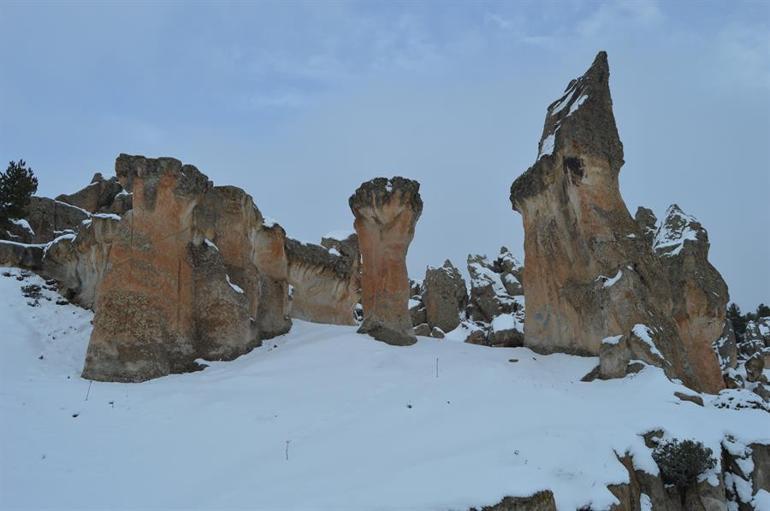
(298, 103)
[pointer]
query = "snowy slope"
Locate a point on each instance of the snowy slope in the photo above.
(369, 426)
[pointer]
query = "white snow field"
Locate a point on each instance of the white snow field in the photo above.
(365, 425)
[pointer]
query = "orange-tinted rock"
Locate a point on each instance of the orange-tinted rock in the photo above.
(165, 299)
(273, 314)
(699, 292)
(228, 219)
(325, 281)
(386, 211)
(589, 272)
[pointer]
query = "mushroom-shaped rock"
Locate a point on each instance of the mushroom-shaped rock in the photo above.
(386, 212)
(590, 273)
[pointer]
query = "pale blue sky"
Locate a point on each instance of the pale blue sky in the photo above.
(298, 103)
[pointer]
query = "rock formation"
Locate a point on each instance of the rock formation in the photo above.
(699, 294)
(229, 219)
(44, 220)
(98, 196)
(273, 313)
(166, 297)
(445, 296)
(386, 211)
(590, 274)
(78, 262)
(325, 280)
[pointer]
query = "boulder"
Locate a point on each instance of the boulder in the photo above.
(445, 296)
(423, 330)
(325, 280)
(97, 197)
(511, 272)
(590, 274)
(386, 212)
(506, 331)
(489, 297)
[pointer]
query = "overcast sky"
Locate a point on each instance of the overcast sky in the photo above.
(298, 103)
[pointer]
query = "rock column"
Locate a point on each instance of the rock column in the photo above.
(386, 212)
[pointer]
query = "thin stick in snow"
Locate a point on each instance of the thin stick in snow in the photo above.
(436, 367)
(88, 392)
(287, 449)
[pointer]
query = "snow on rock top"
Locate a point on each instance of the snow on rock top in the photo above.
(108, 216)
(612, 340)
(644, 333)
(505, 322)
(674, 231)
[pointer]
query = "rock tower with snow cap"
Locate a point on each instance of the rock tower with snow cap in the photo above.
(386, 212)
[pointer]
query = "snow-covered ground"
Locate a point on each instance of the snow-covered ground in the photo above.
(323, 418)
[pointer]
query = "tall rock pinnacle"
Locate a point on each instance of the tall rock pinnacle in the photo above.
(589, 271)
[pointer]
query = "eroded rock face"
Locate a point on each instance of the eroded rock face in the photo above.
(273, 313)
(165, 298)
(78, 262)
(228, 221)
(445, 296)
(49, 219)
(325, 280)
(699, 293)
(97, 197)
(590, 273)
(386, 212)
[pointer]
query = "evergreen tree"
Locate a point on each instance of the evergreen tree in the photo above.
(738, 320)
(17, 184)
(763, 311)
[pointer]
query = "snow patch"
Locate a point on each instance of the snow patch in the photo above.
(22, 222)
(109, 216)
(547, 146)
(235, 287)
(612, 340)
(644, 333)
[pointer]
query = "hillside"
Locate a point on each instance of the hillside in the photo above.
(437, 425)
